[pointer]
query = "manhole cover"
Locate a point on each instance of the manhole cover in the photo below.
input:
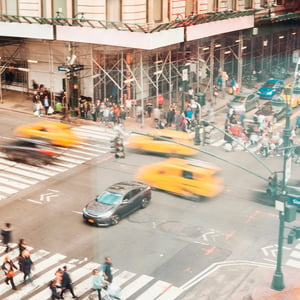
(139, 218)
(182, 229)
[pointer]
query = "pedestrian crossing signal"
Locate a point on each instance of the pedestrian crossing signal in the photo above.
(117, 146)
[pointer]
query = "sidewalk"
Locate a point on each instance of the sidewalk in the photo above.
(249, 281)
(22, 102)
(240, 282)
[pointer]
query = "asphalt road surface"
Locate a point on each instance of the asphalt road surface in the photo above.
(155, 251)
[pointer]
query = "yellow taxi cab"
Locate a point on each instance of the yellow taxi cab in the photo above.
(293, 99)
(189, 178)
(156, 145)
(58, 134)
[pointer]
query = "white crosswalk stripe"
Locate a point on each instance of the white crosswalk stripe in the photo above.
(133, 286)
(17, 176)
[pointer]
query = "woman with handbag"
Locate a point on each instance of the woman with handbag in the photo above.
(8, 267)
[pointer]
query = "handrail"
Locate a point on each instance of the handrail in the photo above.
(124, 26)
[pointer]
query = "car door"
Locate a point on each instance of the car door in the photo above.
(188, 182)
(129, 203)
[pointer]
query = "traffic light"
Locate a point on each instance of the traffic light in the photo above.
(272, 189)
(69, 74)
(117, 146)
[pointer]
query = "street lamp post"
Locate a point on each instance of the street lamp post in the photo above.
(197, 140)
(184, 86)
(278, 282)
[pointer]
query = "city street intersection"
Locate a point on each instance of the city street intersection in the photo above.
(173, 249)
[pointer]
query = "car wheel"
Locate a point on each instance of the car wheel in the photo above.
(115, 220)
(10, 155)
(33, 161)
(145, 202)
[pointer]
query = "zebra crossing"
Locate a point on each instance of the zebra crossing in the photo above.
(133, 286)
(17, 176)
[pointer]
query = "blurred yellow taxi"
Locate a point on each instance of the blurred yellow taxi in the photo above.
(58, 134)
(156, 145)
(189, 178)
(293, 99)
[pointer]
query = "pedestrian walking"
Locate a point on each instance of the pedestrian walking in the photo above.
(22, 246)
(59, 274)
(54, 293)
(149, 108)
(8, 267)
(106, 269)
(98, 282)
(39, 107)
(26, 265)
(46, 104)
(297, 123)
(66, 283)
(6, 236)
(170, 117)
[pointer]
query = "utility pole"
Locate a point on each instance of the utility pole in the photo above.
(69, 71)
(281, 205)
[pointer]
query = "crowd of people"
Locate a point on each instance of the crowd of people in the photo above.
(23, 262)
(41, 100)
(61, 282)
(258, 133)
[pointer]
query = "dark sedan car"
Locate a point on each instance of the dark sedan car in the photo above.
(270, 88)
(33, 152)
(116, 202)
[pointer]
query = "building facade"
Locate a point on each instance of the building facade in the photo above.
(140, 49)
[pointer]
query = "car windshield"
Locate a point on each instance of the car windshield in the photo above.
(158, 138)
(239, 99)
(269, 84)
(109, 198)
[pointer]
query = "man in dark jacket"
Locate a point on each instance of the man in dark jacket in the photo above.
(66, 283)
(6, 236)
(106, 269)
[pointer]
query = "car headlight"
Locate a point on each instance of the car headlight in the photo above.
(106, 215)
(84, 210)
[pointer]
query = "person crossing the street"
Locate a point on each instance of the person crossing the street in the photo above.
(66, 283)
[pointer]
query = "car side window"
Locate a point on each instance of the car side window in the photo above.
(187, 174)
(130, 195)
(126, 198)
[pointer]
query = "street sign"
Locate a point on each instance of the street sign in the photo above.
(62, 68)
(185, 76)
(296, 56)
(78, 68)
(294, 200)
